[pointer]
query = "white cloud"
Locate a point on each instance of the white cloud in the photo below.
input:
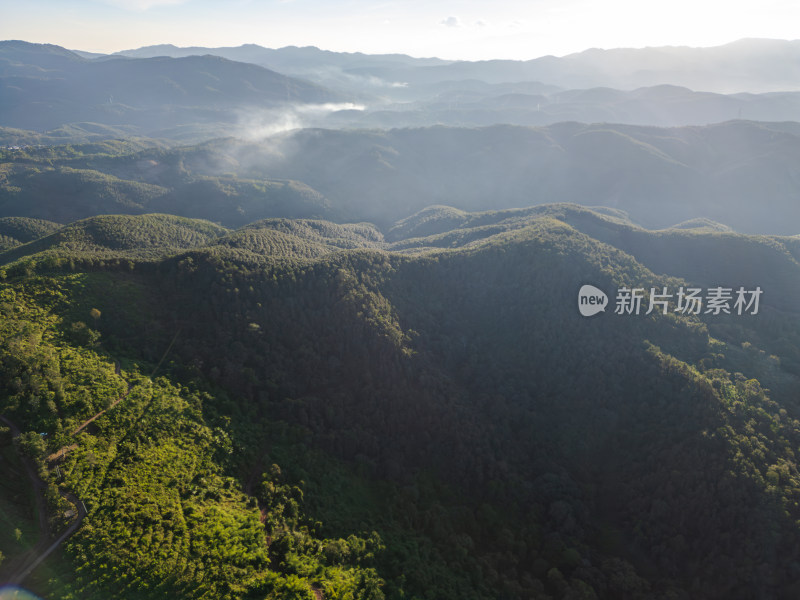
(263, 123)
(451, 22)
(142, 4)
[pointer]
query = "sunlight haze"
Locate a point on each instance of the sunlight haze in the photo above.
(452, 30)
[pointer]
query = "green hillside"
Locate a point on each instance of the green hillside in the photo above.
(19, 230)
(119, 236)
(347, 236)
(66, 183)
(62, 193)
(284, 238)
(709, 175)
(306, 412)
(660, 176)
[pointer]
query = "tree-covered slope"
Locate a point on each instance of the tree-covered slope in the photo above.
(738, 174)
(66, 183)
(120, 236)
(660, 176)
(19, 230)
(164, 515)
(316, 387)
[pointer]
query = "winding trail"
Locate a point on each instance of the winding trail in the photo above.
(29, 566)
(62, 452)
(102, 412)
(14, 571)
(17, 569)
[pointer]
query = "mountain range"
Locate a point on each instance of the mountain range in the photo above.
(748, 65)
(741, 174)
(424, 412)
(199, 93)
(295, 324)
(44, 87)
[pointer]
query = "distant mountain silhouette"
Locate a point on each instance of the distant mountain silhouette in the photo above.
(198, 93)
(43, 86)
(747, 65)
(750, 65)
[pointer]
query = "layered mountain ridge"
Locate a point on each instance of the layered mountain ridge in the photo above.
(443, 375)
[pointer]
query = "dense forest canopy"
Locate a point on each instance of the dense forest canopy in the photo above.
(660, 177)
(309, 406)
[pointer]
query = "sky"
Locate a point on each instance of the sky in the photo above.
(467, 30)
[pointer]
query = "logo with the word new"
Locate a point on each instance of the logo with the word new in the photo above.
(591, 300)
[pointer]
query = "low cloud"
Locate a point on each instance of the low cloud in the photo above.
(263, 123)
(373, 81)
(451, 22)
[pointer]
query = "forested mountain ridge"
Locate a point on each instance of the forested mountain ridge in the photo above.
(436, 386)
(18, 230)
(659, 176)
(54, 95)
(117, 236)
(45, 87)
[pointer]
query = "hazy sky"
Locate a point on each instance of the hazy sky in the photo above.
(470, 30)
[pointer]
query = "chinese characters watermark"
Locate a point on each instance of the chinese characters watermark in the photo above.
(686, 300)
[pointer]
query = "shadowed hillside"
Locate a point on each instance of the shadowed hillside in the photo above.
(439, 420)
